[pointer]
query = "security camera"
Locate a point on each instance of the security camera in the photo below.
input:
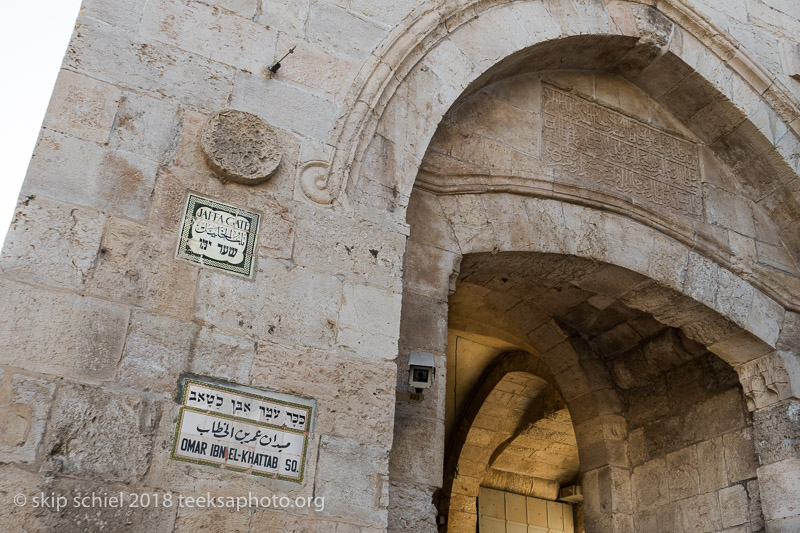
(421, 368)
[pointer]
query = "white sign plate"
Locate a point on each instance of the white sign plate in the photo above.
(251, 432)
(218, 235)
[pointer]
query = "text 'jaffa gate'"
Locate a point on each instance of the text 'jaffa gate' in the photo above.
(452, 266)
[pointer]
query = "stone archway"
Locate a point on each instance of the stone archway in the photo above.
(636, 388)
(519, 385)
(606, 465)
(441, 56)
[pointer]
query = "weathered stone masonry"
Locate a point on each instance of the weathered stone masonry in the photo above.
(605, 192)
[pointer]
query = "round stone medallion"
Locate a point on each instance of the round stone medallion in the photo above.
(240, 146)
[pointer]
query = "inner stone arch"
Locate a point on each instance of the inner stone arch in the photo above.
(515, 434)
(652, 409)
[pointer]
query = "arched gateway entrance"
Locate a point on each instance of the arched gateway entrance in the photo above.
(609, 195)
(648, 406)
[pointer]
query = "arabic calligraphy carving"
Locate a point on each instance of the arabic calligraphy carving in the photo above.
(584, 140)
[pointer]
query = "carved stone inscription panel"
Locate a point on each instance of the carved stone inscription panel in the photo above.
(587, 142)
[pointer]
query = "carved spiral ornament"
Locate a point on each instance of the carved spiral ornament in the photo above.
(240, 146)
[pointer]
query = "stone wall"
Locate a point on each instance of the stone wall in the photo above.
(691, 449)
(100, 321)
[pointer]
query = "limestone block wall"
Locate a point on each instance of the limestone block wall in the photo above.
(692, 451)
(99, 320)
